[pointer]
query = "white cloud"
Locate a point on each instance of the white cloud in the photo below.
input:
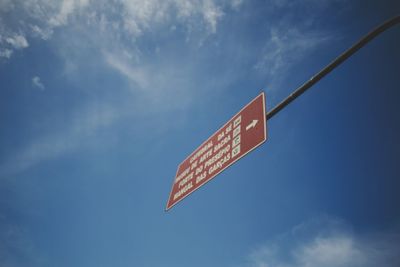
(141, 15)
(212, 14)
(185, 7)
(163, 85)
(136, 75)
(117, 20)
(330, 243)
(292, 38)
(17, 41)
(6, 5)
(108, 26)
(67, 8)
(113, 29)
(6, 53)
(73, 133)
(145, 12)
(337, 250)
(42, 33)
(37, 83)
(236, 4)
(285, 47)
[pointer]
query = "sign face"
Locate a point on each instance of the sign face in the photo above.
(241, 134)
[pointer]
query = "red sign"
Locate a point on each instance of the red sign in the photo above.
(241, 134)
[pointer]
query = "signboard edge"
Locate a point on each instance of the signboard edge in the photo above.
(264, 139)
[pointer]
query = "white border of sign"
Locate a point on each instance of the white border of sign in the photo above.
(209, 179)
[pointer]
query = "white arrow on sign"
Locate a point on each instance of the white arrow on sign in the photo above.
(251, 125)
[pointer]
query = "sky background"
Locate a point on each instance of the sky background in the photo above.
(101, 100)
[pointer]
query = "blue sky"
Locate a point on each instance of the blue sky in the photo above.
(101, 100)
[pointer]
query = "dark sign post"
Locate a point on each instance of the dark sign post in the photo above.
(240, 135)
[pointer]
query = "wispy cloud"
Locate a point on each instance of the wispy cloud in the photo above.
(17, 249)
(236, 4)
(114, 29)
(286, 46)
(211, 13)
(328, 242)
(292, 38)
(134, 74)
(37, 83)
(80, 128)
(121, 18)
(6, 53)
(17, 41)
(6, 5)
(162, 84)
(42, 33)
(67, 8)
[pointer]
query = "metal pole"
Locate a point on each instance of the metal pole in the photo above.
(340, 59)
